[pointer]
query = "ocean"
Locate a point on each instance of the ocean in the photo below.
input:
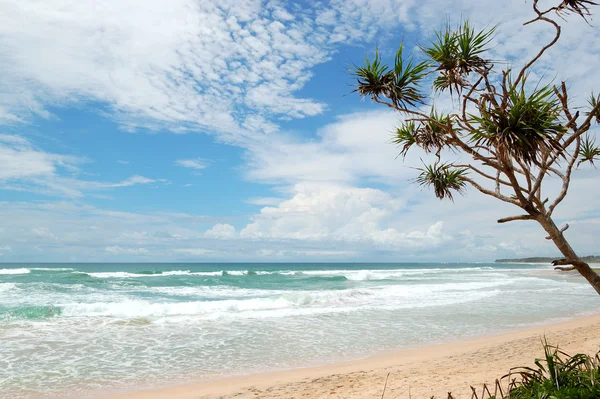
(83, 330)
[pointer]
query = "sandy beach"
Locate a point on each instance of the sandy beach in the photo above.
(416, 373)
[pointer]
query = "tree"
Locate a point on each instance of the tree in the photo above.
(514, 133)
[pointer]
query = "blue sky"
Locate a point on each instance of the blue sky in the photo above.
(227, 131)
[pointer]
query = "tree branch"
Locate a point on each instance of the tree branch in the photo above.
(546, 47)
(566, 178)
(519, 217)
(491, 193)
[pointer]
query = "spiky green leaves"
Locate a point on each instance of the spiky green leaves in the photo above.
(588, 151)
(405, 136)
(400, 84)
(523, 128)
(431, 135)
(594, 110)
(456, 53)
(444, 178)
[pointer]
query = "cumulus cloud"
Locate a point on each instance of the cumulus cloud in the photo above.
(355, 146)
(221, 231)
(336, 213)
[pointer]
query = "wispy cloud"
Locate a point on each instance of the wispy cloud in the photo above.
(191, 163)
(28, 168)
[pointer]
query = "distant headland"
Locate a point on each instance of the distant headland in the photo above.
(587, 259)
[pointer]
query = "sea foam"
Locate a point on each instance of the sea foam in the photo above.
(15, 271)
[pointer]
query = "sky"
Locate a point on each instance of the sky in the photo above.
(221, 130)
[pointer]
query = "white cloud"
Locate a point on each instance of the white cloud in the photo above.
(214, 65)
(4, 249)
(221, 231)
(43, 233)
(333, 213)
(27, 168)
(264, 201)
(353, 147)
(193, 252)
(20, 160)
(117, 250)
(191, 163)
(235, 68)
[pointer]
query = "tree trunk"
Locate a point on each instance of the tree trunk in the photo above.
(571, 257)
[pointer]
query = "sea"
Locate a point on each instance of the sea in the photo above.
(87, 330)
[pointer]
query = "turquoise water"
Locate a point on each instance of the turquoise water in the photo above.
(92, 329)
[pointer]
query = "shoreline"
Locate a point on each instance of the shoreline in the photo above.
(425, 371)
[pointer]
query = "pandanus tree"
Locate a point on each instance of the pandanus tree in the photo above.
(516, 135)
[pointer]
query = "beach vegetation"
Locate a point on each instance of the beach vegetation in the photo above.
(557, 375)
(509, 134)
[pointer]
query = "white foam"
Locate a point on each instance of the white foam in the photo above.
(7, 286)
(52, 269)
(387, 274)
(15, 271)
(237, 272)
(164, 274)
(138, 275)
(219, 291)
(250, 303)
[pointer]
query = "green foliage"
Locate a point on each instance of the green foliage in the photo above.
(434, 134)
(594, 101)
(457, 53)
(523, 128)
(444, 178)
(405, 136)
(400, 84)
(559, 376)
(431, 136)
(588, 152)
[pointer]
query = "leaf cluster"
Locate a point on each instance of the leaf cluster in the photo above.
(589, 151)
(444, 178)
(400, 83)
(430, 135)
(524, 127)
(457, 53)
(594, 100)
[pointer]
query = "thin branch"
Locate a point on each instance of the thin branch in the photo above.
(491, 193)
(498, 182)
(564, 262)
(519, 217)
(566, 179)
(546, 47)
(483, 174)
(564, 269)
(585, 126)
(525, 203)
